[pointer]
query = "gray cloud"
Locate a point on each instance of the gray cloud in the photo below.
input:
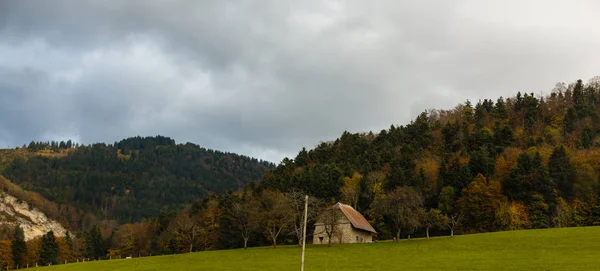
(267, 78)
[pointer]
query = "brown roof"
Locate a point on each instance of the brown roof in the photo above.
(358, 221)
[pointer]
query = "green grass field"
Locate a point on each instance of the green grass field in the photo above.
(552, 249)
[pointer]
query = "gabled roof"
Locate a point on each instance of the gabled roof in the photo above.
(356, 219)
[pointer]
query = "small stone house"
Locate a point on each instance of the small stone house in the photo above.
(344, 225)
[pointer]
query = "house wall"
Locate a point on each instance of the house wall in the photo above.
(343, 233)
(363, 236)
(339, 234)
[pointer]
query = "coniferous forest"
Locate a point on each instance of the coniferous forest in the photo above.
(522, 162)
(133, 179)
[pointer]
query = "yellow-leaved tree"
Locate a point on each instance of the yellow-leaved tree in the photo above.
(351, 189)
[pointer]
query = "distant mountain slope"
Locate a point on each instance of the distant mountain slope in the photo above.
(132, 179)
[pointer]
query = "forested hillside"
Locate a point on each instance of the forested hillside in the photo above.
(522, 162)
(131, 179)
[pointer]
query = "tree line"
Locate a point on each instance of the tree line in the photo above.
(43, 251)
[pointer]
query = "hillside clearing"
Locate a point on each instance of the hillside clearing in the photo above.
(550, 249)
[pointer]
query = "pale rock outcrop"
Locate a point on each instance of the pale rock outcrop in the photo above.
(33, 222)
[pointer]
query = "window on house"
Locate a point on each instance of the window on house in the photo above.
(356, 238)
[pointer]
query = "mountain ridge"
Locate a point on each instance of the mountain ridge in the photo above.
(129, 180)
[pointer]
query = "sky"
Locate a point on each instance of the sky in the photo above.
(266, 78)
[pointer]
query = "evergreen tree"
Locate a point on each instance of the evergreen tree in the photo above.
(528, 177)
(480, 162)
(570, 120)
(562, 171)
(467, 112)
(519, 102)
(579, 99)
(95, 245)
(403, 171)
(503, 135)
(174, 244)
(587, 138)
(451, 136)
(302, 158)
(19, 247)
(447, 200)
(480, 112)
(538, 212)
(49, 249)
(458, 176)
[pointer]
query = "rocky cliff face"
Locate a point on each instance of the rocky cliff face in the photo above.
(33, 222)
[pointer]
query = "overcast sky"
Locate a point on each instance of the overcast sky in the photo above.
(265, 78)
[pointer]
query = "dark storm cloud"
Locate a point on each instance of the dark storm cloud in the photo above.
(266, 78)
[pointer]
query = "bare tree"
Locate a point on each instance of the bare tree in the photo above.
(243, 216)
(276, 214)
(188, 227)
(454, 221)
(296, 199)
(446, 205)
(330, 220)
(402, 206)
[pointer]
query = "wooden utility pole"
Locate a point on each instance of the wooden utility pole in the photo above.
(304, 234)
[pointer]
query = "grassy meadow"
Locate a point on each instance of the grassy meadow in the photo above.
(550, 249)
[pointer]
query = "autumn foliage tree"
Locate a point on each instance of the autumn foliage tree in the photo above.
(512, 216)
(481, 199)
(402, 207)
(6, 259)
(351, 189)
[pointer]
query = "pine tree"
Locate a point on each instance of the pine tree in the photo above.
(570, 120)
(480, 162)
(19, 247)
(562, 171)
(49, 249)
(587, 138)
(538, 212)
(503, 135)
(579, 99)
(527, 178)
(95, 246)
